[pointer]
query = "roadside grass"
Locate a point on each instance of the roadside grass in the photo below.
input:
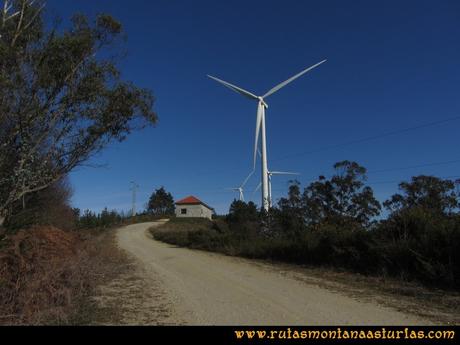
(106, 263)
(439, 305)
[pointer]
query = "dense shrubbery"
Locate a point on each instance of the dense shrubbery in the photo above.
(332, 222)
(203, 234)
(108, 219)
(417, 244)
(105, 219)
(49, 206)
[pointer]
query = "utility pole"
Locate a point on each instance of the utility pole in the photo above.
(134, 188)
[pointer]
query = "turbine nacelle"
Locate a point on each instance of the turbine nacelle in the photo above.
(261, 101)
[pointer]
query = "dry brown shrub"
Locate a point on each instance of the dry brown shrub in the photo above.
(43, 273)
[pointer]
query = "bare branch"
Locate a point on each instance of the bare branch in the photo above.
(20, 28)
(5, 16)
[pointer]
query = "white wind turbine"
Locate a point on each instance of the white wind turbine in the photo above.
(240, 189)
(260, 126)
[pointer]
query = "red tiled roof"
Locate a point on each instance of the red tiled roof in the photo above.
(191, 200)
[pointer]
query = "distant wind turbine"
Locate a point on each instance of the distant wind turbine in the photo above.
(260, 126)
(240, 189)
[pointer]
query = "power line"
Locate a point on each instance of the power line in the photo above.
(347, 143)
(388, 182)
(357, 141)
(390, 170)
(313, 179)
(422, 165)
(414, 166)
(370, 138)
(398, 181)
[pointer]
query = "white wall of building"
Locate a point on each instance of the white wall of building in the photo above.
(193, 211)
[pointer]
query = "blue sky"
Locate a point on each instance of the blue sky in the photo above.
(392, 65)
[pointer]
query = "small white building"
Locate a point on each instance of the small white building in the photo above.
(191, 207)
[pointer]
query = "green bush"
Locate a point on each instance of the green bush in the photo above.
(419, 245)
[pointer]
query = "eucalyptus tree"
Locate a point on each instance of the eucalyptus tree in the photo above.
(62, 98)
(342, 198)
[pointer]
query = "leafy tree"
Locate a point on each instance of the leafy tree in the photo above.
(422, 233)
(241, 211)
(294, 198)
(161, 203)
(290, 214)
(61, 99)
(430, 193)
(342, 198)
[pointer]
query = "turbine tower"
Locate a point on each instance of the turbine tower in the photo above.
(134, 188)
(260, 126)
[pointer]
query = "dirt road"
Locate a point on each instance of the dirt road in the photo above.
(212, 289)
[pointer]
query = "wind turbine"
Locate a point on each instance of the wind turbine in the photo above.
(240, 189)
(240, 192)
(260, 125)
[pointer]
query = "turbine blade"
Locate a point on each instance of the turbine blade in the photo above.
(234, 88)
(283, 173)
(258, 122)
(284, 83)
(246, 179)
(258, 187)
